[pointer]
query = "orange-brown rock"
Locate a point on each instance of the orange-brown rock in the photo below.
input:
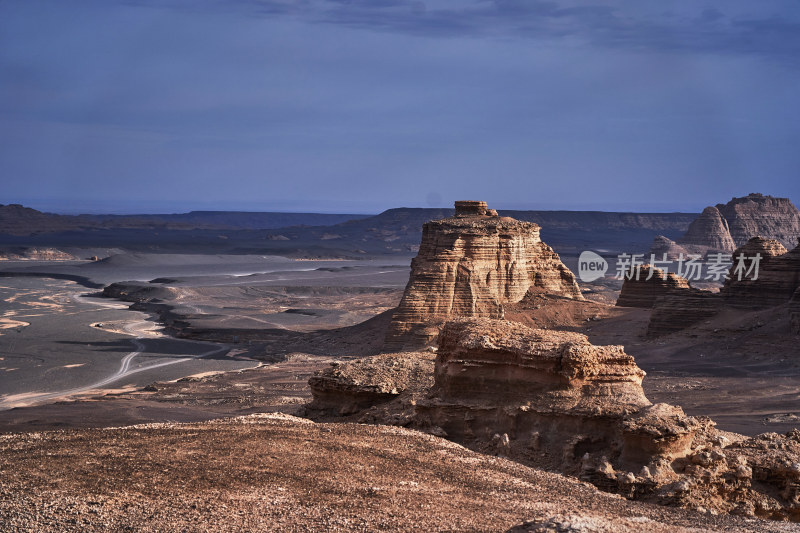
(470, 265)
(482, 359)
(644, 284)
(677, 308)
(552, 399)
(499, 383)
(660, 430)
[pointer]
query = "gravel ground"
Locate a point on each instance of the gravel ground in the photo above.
(274, 472)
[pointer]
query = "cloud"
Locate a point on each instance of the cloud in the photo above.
(767, 28)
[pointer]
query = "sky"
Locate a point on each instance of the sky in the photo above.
(356, 106)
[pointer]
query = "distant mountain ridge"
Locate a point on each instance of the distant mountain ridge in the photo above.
(394, 231)
(16, 219)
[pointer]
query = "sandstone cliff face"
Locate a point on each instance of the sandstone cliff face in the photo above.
(643, 285)
(709, 230)
(758, 215)
(469, 265)
(724, 227)
(500, 361)
(501, 383)
(778, 276)
(535, 393)
(677, 307)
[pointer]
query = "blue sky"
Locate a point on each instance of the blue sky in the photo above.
(359, 106)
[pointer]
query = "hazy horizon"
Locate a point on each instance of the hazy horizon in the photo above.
(163, 209)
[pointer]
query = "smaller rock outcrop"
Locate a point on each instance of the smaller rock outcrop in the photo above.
(495, 360)
(348, 387)
(710, 232)
(665, 247)
(554, 400)
(644, 284)
(501, 384)
(774, 280)
(661, 430)
(778, 275)
(676, 312)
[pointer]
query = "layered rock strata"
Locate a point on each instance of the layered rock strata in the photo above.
(348, 387)
(552, 399)
(676, 312)
(709, 230)
(724, 227)
(644, 284)
(774, 281)
(676, 304)
(470, 265)
(758, 215)
(528, 393)
(545, 390)
(778, 275)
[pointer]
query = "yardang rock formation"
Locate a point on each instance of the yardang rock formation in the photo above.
(724, 227)
(470, 265)
(551, 399)
(676, 305)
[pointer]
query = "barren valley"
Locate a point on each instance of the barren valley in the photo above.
(132, 369)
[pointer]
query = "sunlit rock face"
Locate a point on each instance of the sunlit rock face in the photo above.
(497, 361)
(551, 392)
(470, 265)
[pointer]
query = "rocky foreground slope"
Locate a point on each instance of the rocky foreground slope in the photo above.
(471, 265)
(280, 473)
(552, 399)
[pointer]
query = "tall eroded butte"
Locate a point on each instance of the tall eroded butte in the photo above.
(470, 265)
